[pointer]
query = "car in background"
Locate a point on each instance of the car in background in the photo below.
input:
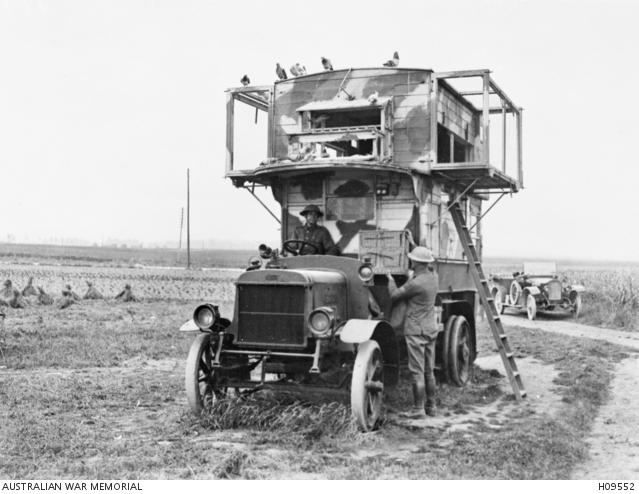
(536, 287)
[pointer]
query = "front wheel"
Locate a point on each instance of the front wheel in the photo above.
(499, 300)
(531, 307)
(367, 386)
(200, 378)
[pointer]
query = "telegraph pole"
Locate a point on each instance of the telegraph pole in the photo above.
(188, 219)
(177, 259)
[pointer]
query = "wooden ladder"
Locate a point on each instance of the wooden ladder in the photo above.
(487, 300)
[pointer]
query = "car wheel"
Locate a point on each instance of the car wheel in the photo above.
(531, 307)
(459, 363)
(200, 379)
(576, 306)
(499, 300)
(367, 386)
(445, 354)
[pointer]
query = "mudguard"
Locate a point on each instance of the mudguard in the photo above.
(533, 290)
(189, 326)
(361, 330)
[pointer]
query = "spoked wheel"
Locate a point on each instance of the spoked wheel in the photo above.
(499, 302)
(531, 307)
(367, 385)
(459, 363)
(200, 378)
(576, 308)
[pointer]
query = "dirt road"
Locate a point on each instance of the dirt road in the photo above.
(614, 441)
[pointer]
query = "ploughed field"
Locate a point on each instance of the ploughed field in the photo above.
(96, 390)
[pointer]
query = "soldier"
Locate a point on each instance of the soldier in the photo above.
(43, 297)
(92, 292)
(29, 289)
(7, 292)
(68, 292)
(315, 234)
(420, 329)
(17, 302)
(126, 295)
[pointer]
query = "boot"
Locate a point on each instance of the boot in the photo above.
(431, 388)
(419, 397)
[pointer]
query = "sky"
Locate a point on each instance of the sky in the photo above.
(105, 104)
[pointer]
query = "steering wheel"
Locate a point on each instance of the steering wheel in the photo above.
(295, 246)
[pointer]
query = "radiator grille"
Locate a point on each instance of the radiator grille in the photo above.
(271, 315)
(554, 290)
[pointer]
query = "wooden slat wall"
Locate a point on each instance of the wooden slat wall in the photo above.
(409, 90)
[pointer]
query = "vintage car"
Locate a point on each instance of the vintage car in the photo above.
(311, 324)
(537, 287)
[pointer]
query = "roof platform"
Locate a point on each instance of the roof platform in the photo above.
(478, 177)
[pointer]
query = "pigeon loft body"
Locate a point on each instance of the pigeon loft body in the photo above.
(383, 149)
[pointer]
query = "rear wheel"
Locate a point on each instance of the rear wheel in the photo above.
(531, 307)
(459, 363)
(445, 348)
(367, 386)
(200, 379)
(499, 300)
(576, 306)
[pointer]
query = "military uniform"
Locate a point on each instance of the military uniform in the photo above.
(420, 331)
(317, 235)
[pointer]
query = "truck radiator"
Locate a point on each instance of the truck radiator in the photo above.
(554, 290)
(271, 315)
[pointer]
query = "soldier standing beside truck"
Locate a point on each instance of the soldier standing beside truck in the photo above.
(420, 329)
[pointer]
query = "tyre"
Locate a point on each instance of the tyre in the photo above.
(531, 307)
(459, 352)
(515, 293)
(367, 386)
(200, 378)
(499, 300)
(576, 306)
(445, 348)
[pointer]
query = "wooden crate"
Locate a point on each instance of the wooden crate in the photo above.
(386, 250)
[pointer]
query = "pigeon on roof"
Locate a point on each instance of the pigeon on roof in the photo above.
(394, 62)
(245, 81)
(294, 71)
(326, 63)
(301, 69)
(281, 73)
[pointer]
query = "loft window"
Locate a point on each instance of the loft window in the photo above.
(341, 128)
(451, 148)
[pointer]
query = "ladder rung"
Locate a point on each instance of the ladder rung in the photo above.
(503, 336)
(497, 318)
(515, 373)
(522, 393)
(510, 354)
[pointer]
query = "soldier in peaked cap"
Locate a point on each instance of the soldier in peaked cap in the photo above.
(420, 328)
(318, 236)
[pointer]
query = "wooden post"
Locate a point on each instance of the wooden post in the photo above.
(485, 122)
(433, 121)
(452, 147)
(188, 219)
(230, 102)
(177, 257)
(503, 137)
(519, 152)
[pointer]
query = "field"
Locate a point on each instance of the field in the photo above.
(96, 391)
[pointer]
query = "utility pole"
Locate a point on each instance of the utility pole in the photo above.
(177, 260)
(188, 219)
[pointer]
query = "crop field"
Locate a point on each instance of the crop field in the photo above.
(96, 390)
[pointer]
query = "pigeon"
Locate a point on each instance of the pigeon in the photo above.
(126, 295)
(281, 73)
(92, 292)
(294, 71)
(245, 81)
(326, 63)
(301, 69)
(29, 289)
(43, 297)
(394, 62)
(372, 99)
